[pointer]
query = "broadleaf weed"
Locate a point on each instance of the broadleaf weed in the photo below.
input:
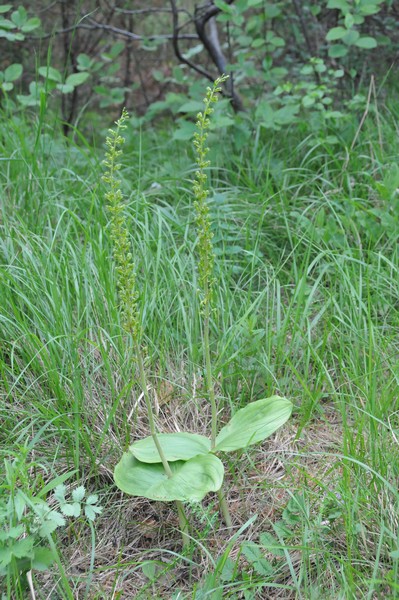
(28, 523)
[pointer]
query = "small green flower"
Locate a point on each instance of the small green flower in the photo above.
(125, 269)
(205, 246)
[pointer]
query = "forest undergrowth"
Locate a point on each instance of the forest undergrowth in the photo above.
(305, 232)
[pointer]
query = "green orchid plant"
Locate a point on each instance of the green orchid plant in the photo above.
(181, 467)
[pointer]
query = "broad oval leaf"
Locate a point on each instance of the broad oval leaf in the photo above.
(351, 37)
(185, 131)
(42, 558)
(31, 24)
(254, 423)
(340, 4)
(13, 72)
(76, 79)
(176, 446)
(6, 24)
(50, 73)
(337, 51)
(336, 33)
(191, 106)
(366, 42)
(191, 480)
(136, 478)
(64, 88)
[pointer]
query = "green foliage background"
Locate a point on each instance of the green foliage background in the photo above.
(287, 60)
(303, 208)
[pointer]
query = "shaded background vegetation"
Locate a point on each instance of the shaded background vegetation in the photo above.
(285, 58)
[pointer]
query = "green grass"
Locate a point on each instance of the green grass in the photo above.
(307, 306)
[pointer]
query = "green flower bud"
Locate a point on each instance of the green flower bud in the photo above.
(126, 280)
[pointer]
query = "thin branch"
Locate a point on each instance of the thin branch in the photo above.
(122, 32)
(211, 42)
(46, 8)
(175, 40)
(209, 10)
(304, 27)
(143, 11)
(203, 16)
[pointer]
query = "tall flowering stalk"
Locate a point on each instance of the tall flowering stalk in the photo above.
(125, 269)
(194, 468)
(126, 281)
(206, 256)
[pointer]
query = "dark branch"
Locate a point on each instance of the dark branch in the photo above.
(143, 11)
(304, 28)
(122, 32)
(175, 41)
(210, 39)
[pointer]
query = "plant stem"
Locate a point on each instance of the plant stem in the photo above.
(224, 507)
(207, 257)
(183, 521)
(67, 593)
(92, 559)
(209, 380)
(143, 383)
(211, 394)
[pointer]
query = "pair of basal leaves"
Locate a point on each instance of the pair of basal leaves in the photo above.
(196, 470)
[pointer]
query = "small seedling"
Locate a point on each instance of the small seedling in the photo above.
(28, 522)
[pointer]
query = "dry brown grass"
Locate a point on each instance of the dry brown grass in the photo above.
(134, 530)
